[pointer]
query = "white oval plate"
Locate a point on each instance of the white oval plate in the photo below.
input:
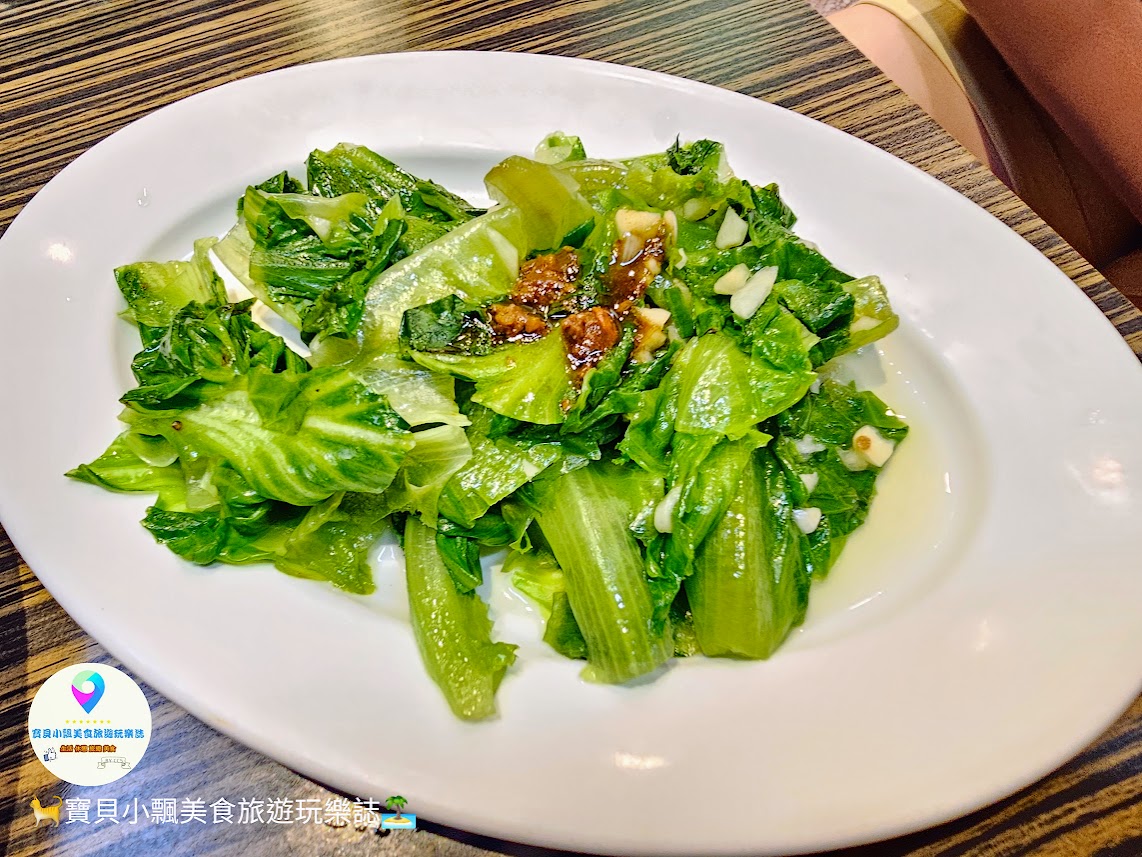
(981, 629)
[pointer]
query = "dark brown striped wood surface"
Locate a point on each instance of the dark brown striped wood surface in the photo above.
(73, 71)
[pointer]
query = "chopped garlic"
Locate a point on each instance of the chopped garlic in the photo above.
(695, 209)
(863, 322)
(872, 446)
(732, 231)
(853, 460)
(815, 387)
(807, 520)
(636, 222)
(653, 315)
(753, 294)
(725, 171)
(651, 336)
(732, 281)
(664, 511)
(765, 275)
(810, 480)
(807, 445)
(630, 248)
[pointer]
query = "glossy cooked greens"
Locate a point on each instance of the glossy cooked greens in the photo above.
(615, 374)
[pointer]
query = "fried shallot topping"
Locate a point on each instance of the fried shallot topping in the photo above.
(514, 323)
(588, 335)
(635, 262)
(546, 279)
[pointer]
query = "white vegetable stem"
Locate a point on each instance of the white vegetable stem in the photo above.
(507, 251)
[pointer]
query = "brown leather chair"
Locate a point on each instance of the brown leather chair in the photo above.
(1024, 86)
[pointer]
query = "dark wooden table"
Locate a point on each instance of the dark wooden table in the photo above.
(74, 71)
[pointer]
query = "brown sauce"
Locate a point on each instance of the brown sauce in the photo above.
(588, 336)
(546, 279)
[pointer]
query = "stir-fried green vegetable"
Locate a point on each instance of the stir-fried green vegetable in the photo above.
(615, 374)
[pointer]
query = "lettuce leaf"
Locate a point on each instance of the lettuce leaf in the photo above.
(312, 258)
(452, 630)
(834, 413)
(477, 261)
(723, 391)
(340, 437)
(203, 346)
(447, 324)
(349, 168)
(438, 454)
(419, 396)
(537, 575)
(498, 467)
(714, 388)
(156, 291)
(547, 198)
(707, 472)
(120, 468)
(828, 419)
(750, 585)
(559, 148)
(586, 519)
(279, 219)
(527, 381)
(697, 173)
(332, 543)
(872, 319)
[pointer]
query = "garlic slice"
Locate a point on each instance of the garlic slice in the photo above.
(732, 232)
(732, 281)
(753, 294)
(664, 511)
(636, 222)
(872, 446)
(807, 520)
